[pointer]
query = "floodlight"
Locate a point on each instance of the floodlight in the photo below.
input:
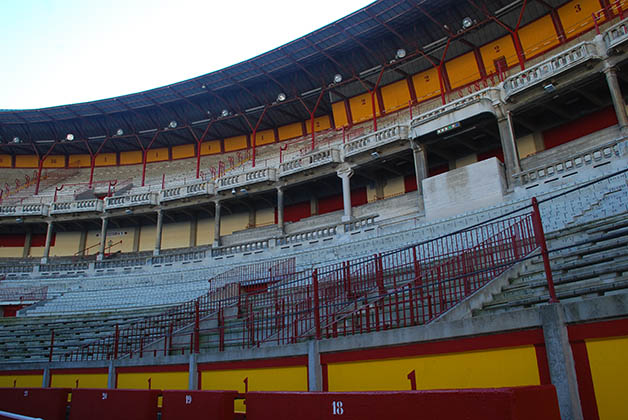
(375, 154)
(119, 132)
(173, 124)
(338, 78)
(233, 191)
(69, 137)
(401, 53)
(225, 113)
(16, 139)
(281, 97)
(467, 22)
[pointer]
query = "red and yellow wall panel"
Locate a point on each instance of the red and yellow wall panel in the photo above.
(106, 159)
(173, 380)
(320, 124)
(264, 137)
(235, 143)
(87, 378)
(26, 161)
(131, 158)
(54, 161)
(502, 47)
(210, 147)
(609, 371)
(340, 114)
(623, 4)
(426, 84)
(538, 36)
(184, 151)
(462, 70)
(362, 109)
(396, 95)
(157, 155)
(290, 131)
(79, 161)
(6, 161)
(577, 16)
(21, 380)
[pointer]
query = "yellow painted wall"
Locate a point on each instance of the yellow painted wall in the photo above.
(232, 222)
(361, 108)
(23, 381)
(205, 231)
(320, 124)
(11, 252)
(235, 143)
(211, 147)
(264, 137)
(466, 160)
(290, 131)
(26, 161)
(86, 380)
(184, 151)
(477, 369)
(394, 186)
(175, 235)
(157, 155)
(462, 70)
(340, 114)
(106, 159)
(147, 238)
(371, 194)
(265, 216)
(54, 161)
(502, 47)
(538, 36)
(130, 158)
(159, 380)
(609, 370)
(526, 146)
(5, 161)
(576, 16)
(623, 4)
(79, 161)
(263, 379)
(426, 84)
(126, 235)
(66, 244)
(396, 95)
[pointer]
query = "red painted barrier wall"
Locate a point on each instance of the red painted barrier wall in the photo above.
(46, 403)
(521, 403)
(575, 129)
(118, 404)
(194, 405)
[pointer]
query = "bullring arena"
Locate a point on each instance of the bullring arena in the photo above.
(416, 211)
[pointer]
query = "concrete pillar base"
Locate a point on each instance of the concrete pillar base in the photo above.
(155, 252)
(44, 260)
(45, 382)
(192, 373)
(315, 372)
(111, 376)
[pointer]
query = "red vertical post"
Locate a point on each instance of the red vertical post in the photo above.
(40, 167)
(221, 328)
(540, 240)
(197, 327)
(116, 341)
(52, 344)
(597, 26)
(317, 314)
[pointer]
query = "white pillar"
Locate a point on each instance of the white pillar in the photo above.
(420, 169)
(44, 259)
(217, 224)
(345, 174)
(160, 220)
(618, 99)
(280, 208)
(103, 239)
(509, 146)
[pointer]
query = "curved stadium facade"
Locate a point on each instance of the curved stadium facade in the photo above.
(422, 195)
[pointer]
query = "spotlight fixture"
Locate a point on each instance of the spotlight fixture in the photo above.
(375, 154)
(69, 137)
(16, 139)
(233, 191)
(549, 88)
(337, 78)
(447, 128)
(119, 132)
(128, 211)
(173, 124)
(243, 190)
(225, 113)
(18, 220)
(203, 86)
(281, 97)
(467, 22)
(401, 53)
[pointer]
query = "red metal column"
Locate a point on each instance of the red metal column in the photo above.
(317, 314)
(144, 154)
(540, 240)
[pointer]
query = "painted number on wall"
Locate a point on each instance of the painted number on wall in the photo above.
(578, 7)
(336, 408)
(188, 399)
(104, 395)
(26, 393)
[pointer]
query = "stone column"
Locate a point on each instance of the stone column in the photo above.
(217, 224)
(45, 380)
(193, 231)
(280, 208)
(192, 373)
(345, 173)
(27, 244)
(82, 243)
(560, 359)
(160, 223)
(315, 372)
(103, 239)
(111, 375)
(509, 146)
(44, 259)
(618, 99)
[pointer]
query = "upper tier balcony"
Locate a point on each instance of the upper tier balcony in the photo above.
(133, 200)
(196, 189)
(249, 177)
(616, 35)
(375, 139)
(310, 161)
(24, 210)
(82, 206)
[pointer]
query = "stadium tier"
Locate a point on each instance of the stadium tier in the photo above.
(421, 196)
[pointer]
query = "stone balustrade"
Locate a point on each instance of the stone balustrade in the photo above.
(545, 70)
(179, 256)
(250, 177)
(309, 161)
(314, 234)
(240, 249)
(24, 210)
(361, 223)
(64, 267)
(572, 164)
(120, 262)
(196, 189)
(616, 34)
(375, 139)
(77, 206)
(133, 200)
(490, 94)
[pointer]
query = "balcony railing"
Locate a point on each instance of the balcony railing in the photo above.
(492, 94)
(191, 190)
(616, 35)
(557, 64)
(24, 210)
(247, 178)
(375, 139)
(77, 206)
(133, 200)
(309, 161)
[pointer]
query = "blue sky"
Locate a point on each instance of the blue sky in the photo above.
(56, 52)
